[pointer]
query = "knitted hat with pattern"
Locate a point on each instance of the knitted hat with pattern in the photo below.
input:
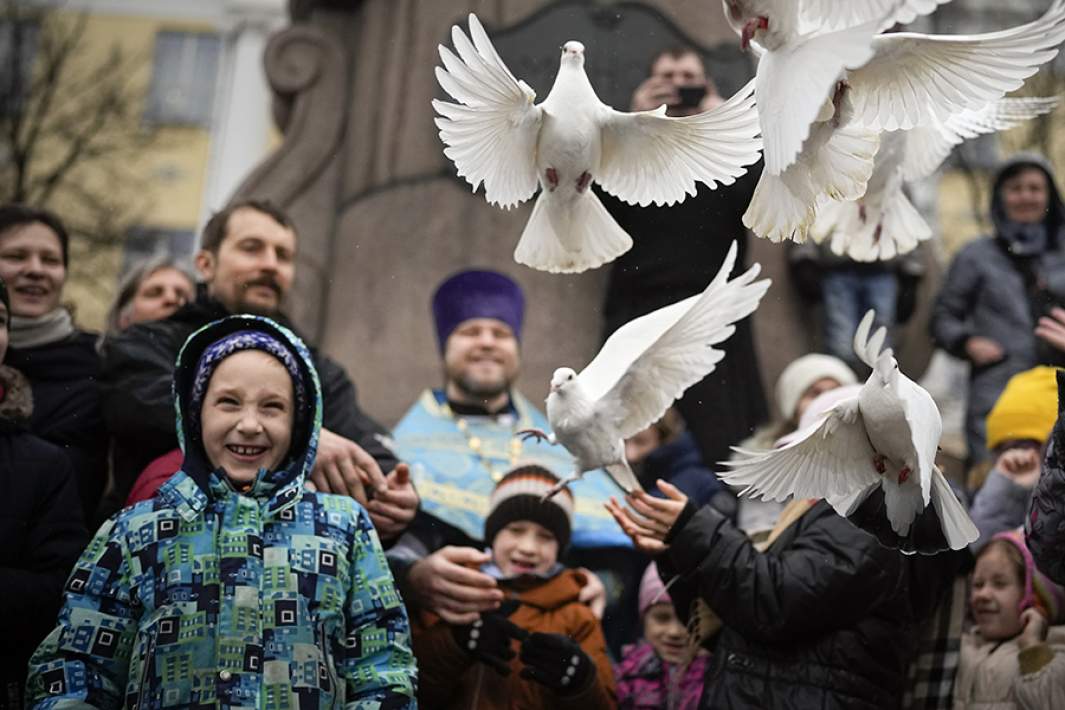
(519, 496)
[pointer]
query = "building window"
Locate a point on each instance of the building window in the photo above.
(184, 74)
(18, 50)
(143, 243)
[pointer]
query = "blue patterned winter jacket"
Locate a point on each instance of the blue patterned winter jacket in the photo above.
(276, 597)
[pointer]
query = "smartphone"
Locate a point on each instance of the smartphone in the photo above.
(691, 96)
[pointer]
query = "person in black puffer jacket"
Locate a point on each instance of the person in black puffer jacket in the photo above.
(41, 533)
(1045, 525)
(824, 618)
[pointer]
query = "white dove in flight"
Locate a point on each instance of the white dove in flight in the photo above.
(852, 83)
(641, 369)
(812, 153)
(884, 438)
(883, 223)
(498, 136)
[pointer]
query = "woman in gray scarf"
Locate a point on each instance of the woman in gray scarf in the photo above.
(999, 286)
(59, 360)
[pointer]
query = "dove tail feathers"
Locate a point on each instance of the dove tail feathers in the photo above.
(835, 165)
(623, 476)
(903, 503)
(958, 527)
(781, 208)
(842, 166)
(585, 224)
(901, 228)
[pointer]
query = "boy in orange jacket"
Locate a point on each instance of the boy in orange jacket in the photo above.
(543, 647)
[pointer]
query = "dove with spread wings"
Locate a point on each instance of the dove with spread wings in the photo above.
(882, 438)
(642, 368)
(497, 136)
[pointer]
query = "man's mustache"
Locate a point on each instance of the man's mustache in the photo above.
(267, 281)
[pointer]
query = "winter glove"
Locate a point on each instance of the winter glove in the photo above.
(557, 662)
(488, 640)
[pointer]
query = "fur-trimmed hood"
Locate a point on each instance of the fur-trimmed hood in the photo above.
(16, 406)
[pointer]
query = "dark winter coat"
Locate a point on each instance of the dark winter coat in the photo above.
(138, 367)
(41, 535)
(676, 252)
(1045, 527)
(991, 292)
(823, 619)
(64, 378)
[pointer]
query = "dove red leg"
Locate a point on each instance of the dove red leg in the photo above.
(538, 434)
(552, 178)
(861, 211)
(561, 484)
(750, 28)
(584, 181)
(904, 474)
(878, 463)
(837, 101)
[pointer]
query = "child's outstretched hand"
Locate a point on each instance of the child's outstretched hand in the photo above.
(649, 524)
(557, 662)
(1034, 628)
(1021, 465)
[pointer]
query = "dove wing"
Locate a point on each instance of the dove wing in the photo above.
(491, 134)
(649, 157)
(914, 79)
(683, 354)
(794, 82)
(926, 426)
(832, 457)
(834, 15)
(928, 146)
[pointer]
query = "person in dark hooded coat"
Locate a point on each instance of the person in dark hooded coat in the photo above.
(235, 586)
(999, 286)
(41, 533)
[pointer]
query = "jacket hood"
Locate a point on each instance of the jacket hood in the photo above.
(1055, 218)
(307, 421)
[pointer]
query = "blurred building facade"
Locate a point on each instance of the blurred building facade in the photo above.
(195, 70)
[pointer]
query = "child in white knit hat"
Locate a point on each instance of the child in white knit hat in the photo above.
(543, 647)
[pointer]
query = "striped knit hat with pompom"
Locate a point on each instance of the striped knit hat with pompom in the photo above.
(519, 496)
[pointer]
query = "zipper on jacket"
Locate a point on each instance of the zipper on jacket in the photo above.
(144, 671)
(328, 658)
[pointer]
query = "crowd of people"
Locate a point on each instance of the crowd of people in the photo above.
(261, 541)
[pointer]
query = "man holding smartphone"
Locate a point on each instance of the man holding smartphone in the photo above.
(678, 80)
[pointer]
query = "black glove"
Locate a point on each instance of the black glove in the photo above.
(488, 640)
(557, 662)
